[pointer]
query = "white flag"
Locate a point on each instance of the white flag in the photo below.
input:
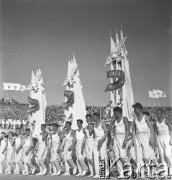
(7, 86)
(151, 94)
(156, 93)
(164, 94)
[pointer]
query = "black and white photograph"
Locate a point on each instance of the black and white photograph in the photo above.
(85, 89)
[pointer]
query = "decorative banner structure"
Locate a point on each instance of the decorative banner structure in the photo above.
(34, 105)
(70, 99)
(116, 84)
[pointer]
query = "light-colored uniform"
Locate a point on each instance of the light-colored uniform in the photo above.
(119, 137)
(2, 156)
(99, 133)
(79, 140)
(89, 149)
(3, 123)
(41, 148)
(163, 140)
(2, 146)
(89, 145)
(10, 152)
(27, 143)
(67, 154)
(142, 140)
(55, 146)
(18, 157)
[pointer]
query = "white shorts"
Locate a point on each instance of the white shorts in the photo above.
(41, 151)
(10, 155)
(54, 154)
(89, 148)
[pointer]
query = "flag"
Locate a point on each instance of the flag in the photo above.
(164, 95)
(155, 93)
(22, 88)
(151, 94)
(7, 86)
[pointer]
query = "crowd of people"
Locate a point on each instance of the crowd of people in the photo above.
(13, 124)
(63, 151)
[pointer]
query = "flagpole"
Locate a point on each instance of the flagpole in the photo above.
(159, 102)
(154, 102)
(13, 94)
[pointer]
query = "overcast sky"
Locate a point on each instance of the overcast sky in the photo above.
(45, 33)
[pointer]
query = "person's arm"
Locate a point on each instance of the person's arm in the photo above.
(84, 140)
(90, 129)
(31, 146)
(169, 124)
(60, 138)
(152, 135)
(105, 132)
(127, 131)
(21, 144)
(44, 136)
(6, 145)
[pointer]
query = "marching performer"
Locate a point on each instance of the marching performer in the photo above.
(99, 144)
(68, 145)
(27, 152)
(144, 137)
(56, 138)
(80, 143)
(89, 143)
(3, 150)
(121, 135)
(42, 142)
(164, 139)
(10, 152)
(18, 151)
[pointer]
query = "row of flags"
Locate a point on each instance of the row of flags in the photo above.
(157, 94)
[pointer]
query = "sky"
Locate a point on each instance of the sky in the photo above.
(45, 33)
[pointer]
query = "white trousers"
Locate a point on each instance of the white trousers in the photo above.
(164, 148)
(120, 153)
(102, 153)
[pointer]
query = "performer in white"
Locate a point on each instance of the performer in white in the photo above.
(10, 152)
(56, 138)
(80, 143)
(68, 145)
(42, 143)
(144, 136)
(19, 152)
(27, 152)
(164, 139)
(3, 150)
(3, 123)
(121, 135)
(89, 143)
(99, 145)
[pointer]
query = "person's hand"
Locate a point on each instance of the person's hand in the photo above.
(70, 148)
(170, 140)
(17, 151)
(100, 142)
(27, 152)
(82, 149)
(124, 144)
(152, 141)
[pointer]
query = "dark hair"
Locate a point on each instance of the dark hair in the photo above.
(117, 109)
(43, 125)
(88, 115)
(96, 114)
(138, 105)
(69, 123)
(55, 124)
(80, 120)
